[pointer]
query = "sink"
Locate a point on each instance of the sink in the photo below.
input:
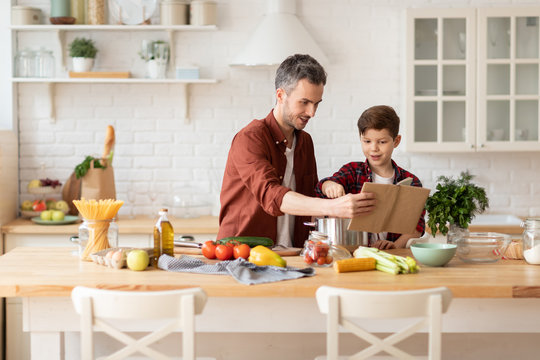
(496, 219)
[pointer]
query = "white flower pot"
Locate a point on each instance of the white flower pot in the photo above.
(156, 69)
(81, 64)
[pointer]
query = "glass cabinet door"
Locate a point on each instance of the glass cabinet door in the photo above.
(508, 79)
(440, 75)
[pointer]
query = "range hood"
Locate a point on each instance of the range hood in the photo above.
(279, 34)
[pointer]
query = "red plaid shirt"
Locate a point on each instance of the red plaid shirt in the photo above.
(352, 177)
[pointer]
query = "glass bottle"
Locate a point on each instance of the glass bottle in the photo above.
(531, 240)
(96, 235)
(163, 237)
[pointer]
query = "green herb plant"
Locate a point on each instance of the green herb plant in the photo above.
(82, 47)
(456, 201)
(82, 168)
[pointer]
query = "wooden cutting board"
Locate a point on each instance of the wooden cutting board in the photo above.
(195, 251)
(100, 74)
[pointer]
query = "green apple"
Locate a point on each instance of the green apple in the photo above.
(62, 205)
(46, 215)
(51, 204)
(26, 205)
(57, 215)
(137, 259)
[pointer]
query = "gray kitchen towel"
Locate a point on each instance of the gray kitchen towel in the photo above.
(241, 270)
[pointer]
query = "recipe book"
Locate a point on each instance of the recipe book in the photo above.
(398, 209)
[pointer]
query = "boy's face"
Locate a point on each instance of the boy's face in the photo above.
(378, 146)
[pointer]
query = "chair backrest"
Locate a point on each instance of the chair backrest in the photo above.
(95, 306)
(343, 304)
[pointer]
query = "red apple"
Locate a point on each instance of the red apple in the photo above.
(39, 205)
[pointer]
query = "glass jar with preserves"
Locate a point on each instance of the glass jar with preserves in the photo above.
(531, 240)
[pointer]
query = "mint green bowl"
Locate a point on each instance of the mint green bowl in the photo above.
(433, 254)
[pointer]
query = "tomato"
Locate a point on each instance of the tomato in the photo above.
(307, 259)
(209, 249)
(329, 259)
(224, 252)
(241, 251)
(321, 261)
(39, 205)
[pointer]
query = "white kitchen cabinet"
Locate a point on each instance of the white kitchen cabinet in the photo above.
(472, 80)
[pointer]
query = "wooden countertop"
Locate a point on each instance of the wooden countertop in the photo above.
(138, 225)
(49, 271)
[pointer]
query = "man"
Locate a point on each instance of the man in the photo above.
(271, 172)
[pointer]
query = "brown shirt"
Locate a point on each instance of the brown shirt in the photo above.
(251, 193)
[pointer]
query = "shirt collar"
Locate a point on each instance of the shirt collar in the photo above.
(275, 130)
(397, 171)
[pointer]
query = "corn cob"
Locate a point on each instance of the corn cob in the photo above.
(354, 264)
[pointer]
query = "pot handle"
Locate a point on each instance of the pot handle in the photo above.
(312, 224)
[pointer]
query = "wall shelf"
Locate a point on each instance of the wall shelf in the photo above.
(51, 87)
(60, 30)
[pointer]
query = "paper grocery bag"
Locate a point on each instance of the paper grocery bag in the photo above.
(398, 209)
(98, 183)
(72, 191)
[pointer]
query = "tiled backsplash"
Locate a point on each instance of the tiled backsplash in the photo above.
(363, 40)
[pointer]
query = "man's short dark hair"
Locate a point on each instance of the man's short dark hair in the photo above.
(379, 117)
(297, 67)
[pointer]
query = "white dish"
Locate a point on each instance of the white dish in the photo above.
(132, 12)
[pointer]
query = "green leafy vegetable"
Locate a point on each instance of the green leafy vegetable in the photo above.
(455, 202)
(82, 168)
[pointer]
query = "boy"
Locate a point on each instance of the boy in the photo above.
(379, 128)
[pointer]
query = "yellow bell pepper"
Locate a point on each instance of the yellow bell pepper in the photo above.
(261, 255)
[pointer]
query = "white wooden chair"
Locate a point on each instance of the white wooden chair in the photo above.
(178, 307)
(341, 305)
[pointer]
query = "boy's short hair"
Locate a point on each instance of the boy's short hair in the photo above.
(297, 67)
(379, 117)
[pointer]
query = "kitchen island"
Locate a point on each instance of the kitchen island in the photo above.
(44, 277)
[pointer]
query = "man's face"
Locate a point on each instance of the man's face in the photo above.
(300, 104)
(378, 146)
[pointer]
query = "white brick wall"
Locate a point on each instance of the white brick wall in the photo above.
(363, 42)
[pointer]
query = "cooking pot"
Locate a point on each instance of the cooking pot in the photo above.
(336, 229)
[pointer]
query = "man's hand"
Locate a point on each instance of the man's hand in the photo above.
(384, 245)
(332, 189)
(351, 205)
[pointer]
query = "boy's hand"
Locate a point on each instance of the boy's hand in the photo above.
(332, 189)
(384, 245)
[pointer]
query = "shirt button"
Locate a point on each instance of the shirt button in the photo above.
(285, 153)
(281, 177)
(285, 140)
(277, 142)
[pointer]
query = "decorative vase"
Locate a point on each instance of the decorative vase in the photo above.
(156, 69)
(81, 64)
(454, 233)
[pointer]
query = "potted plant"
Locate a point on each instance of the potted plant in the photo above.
(82, 51)
(156, 55)
(455, 203)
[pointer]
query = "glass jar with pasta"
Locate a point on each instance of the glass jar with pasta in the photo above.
(97, 235)
(98, 230)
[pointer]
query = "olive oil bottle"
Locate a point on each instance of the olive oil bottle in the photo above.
(163, 237)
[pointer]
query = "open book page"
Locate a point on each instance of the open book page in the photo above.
(398, 209)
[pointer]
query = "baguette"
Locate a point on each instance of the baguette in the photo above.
(106, 157)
